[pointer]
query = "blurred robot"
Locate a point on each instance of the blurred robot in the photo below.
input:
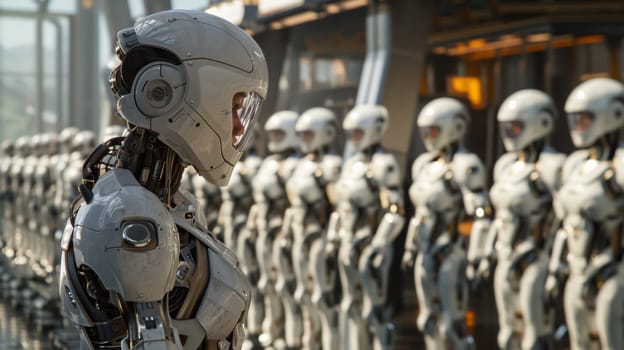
(208, 197)
(139, 269)
(302, 240)
(237, 200)
(6, 194)
(525, 179)
(265, 221)
(367, 218)
(590, 203)
(448, 182)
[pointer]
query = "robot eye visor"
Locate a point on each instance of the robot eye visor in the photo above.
(276, 135)
(581, 121)
(306, 136)
(245, 109)
(354, 135)
(512, 129)
(430, 132)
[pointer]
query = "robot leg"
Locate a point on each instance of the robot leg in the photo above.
(610, 314)
(531, 301)
(374, 266)
(453, 291)
(505, 304)
(353, 328)
(322, 297)
(285, 289)
(249, 264)
(427, 295)
(578, 316)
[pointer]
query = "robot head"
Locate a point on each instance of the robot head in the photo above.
(21, 146)
(316, 129)
(365, 125)
(112, 131)
(50, 143)
(595, 108)
(524, 117)
(8, 147)
(443, 122)
(197, 81)
(66, 138)
(83, 142)
(280, 129)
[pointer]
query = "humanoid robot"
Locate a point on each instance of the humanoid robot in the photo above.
(525, 180)
(208, 196)
(590, 204)
(237, 199)
(6, 194)
(139, 269)
(448, 184)
(281, 322)
(303, 237)
(366, 220)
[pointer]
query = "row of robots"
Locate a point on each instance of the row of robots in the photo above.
(314, 232)
(39, 175)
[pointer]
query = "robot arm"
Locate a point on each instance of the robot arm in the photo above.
(392, 220)
(333, 236)
(556, 266)
(480, 246)
(471, 177)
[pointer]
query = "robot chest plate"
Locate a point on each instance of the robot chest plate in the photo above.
(266, 182)
(512, 192)
(585, 193)
(353, 185)
(302, 185)
(431, 188)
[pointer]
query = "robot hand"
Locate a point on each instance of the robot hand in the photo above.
(331, 250)
(551, 288)
(409, 257)
(484, 269)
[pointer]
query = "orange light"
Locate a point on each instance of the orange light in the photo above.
(475, 43)
(589, 39)
(465, 227)
(466, 86)
(538, 38)
(470, 321)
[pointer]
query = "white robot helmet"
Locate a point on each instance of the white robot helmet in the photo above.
(525, 117)
(112, 131)
(280, 129)
(365, 125)
(83, 142)
(316, 128)
(442, 122)
(595, 108)
(196, 80)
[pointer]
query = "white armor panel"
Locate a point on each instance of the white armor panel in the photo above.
(107, 239)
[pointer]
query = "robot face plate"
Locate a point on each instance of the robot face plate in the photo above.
(429, 135)
(245, 108)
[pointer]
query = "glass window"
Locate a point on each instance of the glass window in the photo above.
(18, 5)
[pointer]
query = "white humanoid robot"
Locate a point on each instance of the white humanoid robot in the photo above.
(448, 184)
(303, 238)
(139, 269)
(280, 321)
(590, 204)
(525, 180)
(237, 199)
(6, 194)
(236, 202)
(366, 220)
